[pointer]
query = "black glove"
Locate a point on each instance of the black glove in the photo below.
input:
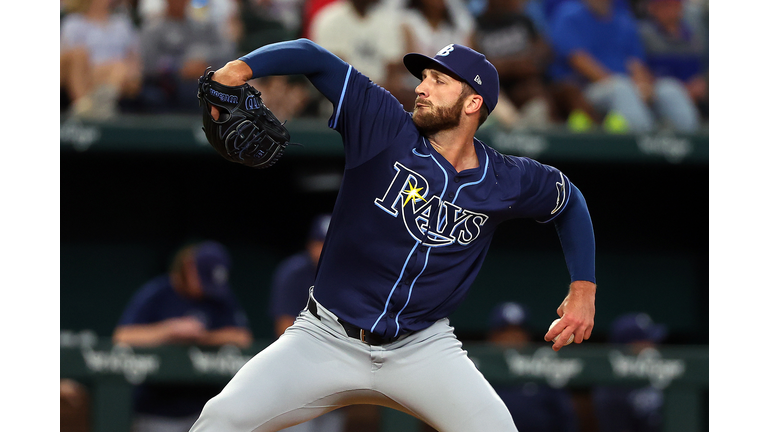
(246, 132)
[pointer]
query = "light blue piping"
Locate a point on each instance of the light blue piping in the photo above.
(341, 99)
(395, 286)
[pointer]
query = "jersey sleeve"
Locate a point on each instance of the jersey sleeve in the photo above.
(544, 190)
(325, 70)
(367, 116)
(577, 237)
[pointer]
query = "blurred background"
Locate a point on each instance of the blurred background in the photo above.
(612, 92)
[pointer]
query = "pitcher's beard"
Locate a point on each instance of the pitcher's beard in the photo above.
(438, 118)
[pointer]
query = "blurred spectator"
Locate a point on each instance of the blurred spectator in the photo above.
(696, 15)
(99, 61)
(287, 12)
(192, 304)
(261, 26)
(309, 12)
(223, 14)
(549, 7)
(597, 46)
(510, 40)
(289, 296)
(176, 50)
(534, 9)
(631, 409)
(365, 33)
(430, 25)
(674, 49)
(539, 11)
(535, 407)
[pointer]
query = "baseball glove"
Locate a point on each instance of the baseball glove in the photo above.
(246, 132)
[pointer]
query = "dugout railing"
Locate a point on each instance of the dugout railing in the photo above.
(110, 371)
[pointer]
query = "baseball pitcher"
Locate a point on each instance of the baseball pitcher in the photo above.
(418, 205)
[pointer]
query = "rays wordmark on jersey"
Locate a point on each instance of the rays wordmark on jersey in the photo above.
(432, 221)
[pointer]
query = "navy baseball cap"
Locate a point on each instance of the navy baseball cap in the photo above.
(636, 327)
(213, 265)
(508, 314)
(467, 64)
(319, 228)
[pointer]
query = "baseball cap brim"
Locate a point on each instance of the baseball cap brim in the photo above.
(416, 63)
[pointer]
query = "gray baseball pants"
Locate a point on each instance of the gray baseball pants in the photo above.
(314, 368)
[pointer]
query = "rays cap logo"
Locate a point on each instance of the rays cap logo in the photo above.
(213, 265)
(466, 63)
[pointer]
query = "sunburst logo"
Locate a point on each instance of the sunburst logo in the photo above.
(412, 193)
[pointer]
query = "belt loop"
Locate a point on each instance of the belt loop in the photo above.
(312, 306)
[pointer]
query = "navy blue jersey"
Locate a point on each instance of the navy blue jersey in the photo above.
(157, 301)
(408, 233)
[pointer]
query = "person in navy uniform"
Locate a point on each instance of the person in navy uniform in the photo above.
(631, 409)
(192, 304)
(415, 213)
(535, 406)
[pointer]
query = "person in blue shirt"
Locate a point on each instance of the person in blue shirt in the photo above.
(192, 305)
(536, 407)
(676, 50)
(597, 46)
(510, 40)
(416, 210)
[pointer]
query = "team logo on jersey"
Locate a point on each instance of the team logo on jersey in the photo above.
(429, 219)
(560, 194)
